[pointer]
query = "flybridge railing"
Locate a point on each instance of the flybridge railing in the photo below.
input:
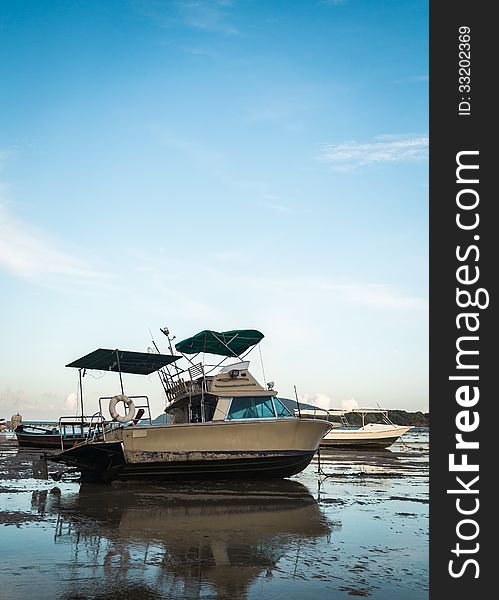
(180, 387)
(175, 389)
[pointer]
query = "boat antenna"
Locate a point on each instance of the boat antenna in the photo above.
(263, 369)
(165, 331)
(297, 403)
(163, 373)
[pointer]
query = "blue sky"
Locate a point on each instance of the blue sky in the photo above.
(215, 164)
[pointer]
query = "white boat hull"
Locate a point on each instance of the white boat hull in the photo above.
(371, 435)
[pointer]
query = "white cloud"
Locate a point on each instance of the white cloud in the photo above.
(207, 15)
(28, 252)
(319, 399)
(376, 295)
(46, 405)
(277, 207)
(70, 402)
(218, 166)
(171, 276)
(349, 404)
(14, 401)
(387, 148)
(204, 52)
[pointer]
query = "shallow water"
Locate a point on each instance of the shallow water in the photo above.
(352, 524)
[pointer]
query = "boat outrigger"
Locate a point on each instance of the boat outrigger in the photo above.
(222, 422)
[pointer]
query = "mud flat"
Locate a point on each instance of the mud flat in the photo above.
(353, 524)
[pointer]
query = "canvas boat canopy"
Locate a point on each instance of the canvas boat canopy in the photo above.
(140, 363)
(223, 343)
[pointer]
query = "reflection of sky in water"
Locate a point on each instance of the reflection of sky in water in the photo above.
(352, 535)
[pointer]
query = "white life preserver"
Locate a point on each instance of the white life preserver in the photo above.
(115, 415)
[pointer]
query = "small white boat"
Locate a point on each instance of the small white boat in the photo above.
(371, 435)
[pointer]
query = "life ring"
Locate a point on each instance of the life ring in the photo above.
(115, 415)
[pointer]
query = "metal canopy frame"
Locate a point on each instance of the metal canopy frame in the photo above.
(119, 361)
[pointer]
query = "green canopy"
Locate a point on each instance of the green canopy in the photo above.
(224, 343)
(140, 363)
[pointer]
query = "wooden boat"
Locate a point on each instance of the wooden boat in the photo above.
(222, 425)
(33, 436)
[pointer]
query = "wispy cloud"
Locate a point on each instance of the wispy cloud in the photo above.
(219, 166)
(289, 106)
(19, 401)
(277, 204)
(167, 274)
(168, 280)
(206, 15)
(29, 253)
(387, 148)
(201, 52)
(210, 15)
(378, 295)
(285, 115)
(375, 295)
(277, 207)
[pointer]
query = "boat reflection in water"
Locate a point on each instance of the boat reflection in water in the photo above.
(184, 541)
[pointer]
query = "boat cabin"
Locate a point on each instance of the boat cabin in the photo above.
(232, 393)
(200, 392)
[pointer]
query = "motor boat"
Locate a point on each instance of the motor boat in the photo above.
(222, 423)
(368, 435)
(63, 436)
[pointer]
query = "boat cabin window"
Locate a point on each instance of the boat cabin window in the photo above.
(250, 407)
(281, 410)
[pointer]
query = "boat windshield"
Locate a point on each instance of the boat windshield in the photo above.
(249, 407)
(281, 410)
(254, 407)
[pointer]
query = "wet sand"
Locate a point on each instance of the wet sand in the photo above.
(353, 524)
